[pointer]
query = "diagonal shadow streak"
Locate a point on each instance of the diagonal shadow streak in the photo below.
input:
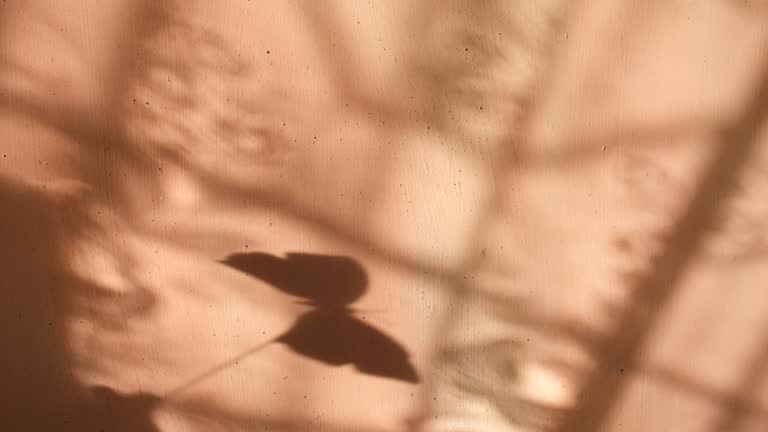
(651, 292)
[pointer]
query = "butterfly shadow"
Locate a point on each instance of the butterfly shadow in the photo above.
(330, 332)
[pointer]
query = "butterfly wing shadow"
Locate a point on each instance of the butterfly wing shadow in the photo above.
(328, 333)
(325, 280)
(335, 337)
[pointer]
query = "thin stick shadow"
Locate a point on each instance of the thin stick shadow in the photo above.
(330, 332)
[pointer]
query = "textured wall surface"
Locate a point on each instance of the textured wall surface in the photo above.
(438, 216)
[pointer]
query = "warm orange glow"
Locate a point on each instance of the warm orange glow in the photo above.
(386, 216)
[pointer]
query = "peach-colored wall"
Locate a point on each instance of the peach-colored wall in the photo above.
(383, 216)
